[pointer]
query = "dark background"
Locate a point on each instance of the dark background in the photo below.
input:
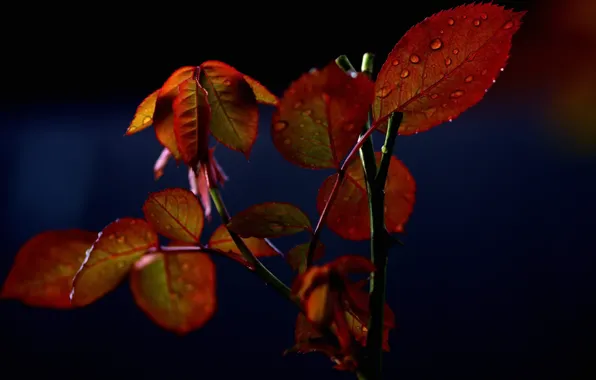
(496, 280)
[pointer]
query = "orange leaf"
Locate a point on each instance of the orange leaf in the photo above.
(221, 240)
(163, 118)
(321, 116)
(176, 290)
(444, 65)
(176, 214)
(269, 220)
(298, 255)
(144, 116)
(44, 267)
(108, 262)
(349, 216)
(234, 109)
(263, 95)
(192, 116)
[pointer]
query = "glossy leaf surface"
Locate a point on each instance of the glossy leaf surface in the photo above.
(176, 290)
(143, 117)
(222, 241)
(44, 267)
(234, 109)
(444, 65)
(298, 255)
(263, 95)
(321, 116)
(109, 261)
(349, 215)
(176, 214)
(269, 220)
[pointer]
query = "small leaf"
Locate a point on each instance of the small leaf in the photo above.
(320, 117)
(349, 215)
(269, 220)
(222, 241)
(263, 95)
(234, 109)
(444, 65)
(163, 118)
(108, 262)
(192, 115)
(298, 255)
(176, 214)
(44, 267)
(144, 116)
(176, 290)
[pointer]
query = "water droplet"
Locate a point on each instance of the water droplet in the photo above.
(146, 120)
(280, 125)
(298, 104)
(384, 91)
(484, 72)
(441, 31)
(451, 21)
(436, 44)
(445, 105)
(508, 25)
(456, 94)
(276, 227)
(227, 82)
(287, 141)
(464, 17)
(450, 120)
(318, 121)
(494, 80)
(111, 236)
(405, 73)
(448, 61)
(414, 58)
(476, 23)
(434, 96)
(185, 266)
(456, 51)
(353, 74)
(349, 127)
(472, 56)
(468, 79)
(484, 16)
(120, 239)
(307, 112)
(395, 62)
(301, 125)
(502, 69)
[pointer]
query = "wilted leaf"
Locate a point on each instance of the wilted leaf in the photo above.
(192, 115)
(269, 220)
(234, 109)
(320, 117)
(444, 65)
(222, 241)
(176, 290)
(349, 215)
(44, 267)
(144, 115)
(263, 95)
(108, 262)
(176, 214)
(298, 255)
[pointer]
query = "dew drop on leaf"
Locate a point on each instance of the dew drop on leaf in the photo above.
(508, 25)
(227, 82)
(472, 56)
(395, 62)
(456, 51)
(384, 91)
(469, 78)
(476, 22)
(448, 61)
(306, 113)
(484, 72)
(451, 21)
(484, 16)
(405, 73)
(120, 239)
(112, 237)
(287, 141)
(456, 94)
(434, 96)
(414, 58)
(280, 125)
(436, 44)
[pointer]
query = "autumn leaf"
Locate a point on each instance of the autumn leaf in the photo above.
(269, 220)
(221, 240)
(144, 116)
(320, 117)
(234, 109)
(44, 267)
(176, 290)
(176, 214)
(263, 95)
(349, 215)
(298, 255)
(163, 118)
(444, 65)
(108, 262)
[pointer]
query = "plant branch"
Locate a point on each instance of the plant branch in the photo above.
(199, 249)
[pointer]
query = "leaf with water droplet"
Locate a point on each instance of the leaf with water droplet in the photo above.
(234, 108)
(176, 214)
(349, 215)
(176, 290)
(310, 126)
(473, 39)
(43, 269)
(263, 95)
(144, 115)
(269, 220)
(298, 255)
(222, 241)
(118, 247)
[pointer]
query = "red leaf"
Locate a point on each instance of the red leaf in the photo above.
(222, 241)
(263, 95)
(176, 214)
(44, 267)
(444, 65)
(176, 290)
(192, 115)
(349, 215)
(298, 255)
(144, 115)
(321, 116)
(269, 220)
(110, 259)
(234, 109)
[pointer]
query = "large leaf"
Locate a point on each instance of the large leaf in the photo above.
(108, 262)
(349, 215)
(222, 241)
(269, 220)
(176, 290)
(192, 115)
(176, 214)
(263, 95)
(444, 65)
(144, 115)
(234, 109)
(44, 267)
(298, 255)
(321, 116)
